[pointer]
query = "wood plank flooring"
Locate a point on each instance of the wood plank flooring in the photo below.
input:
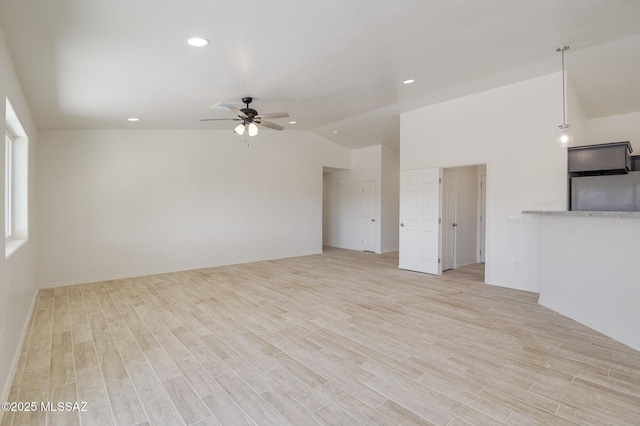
(342, 338)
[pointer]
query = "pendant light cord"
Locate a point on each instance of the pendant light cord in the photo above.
(564, 94)
(564, 90)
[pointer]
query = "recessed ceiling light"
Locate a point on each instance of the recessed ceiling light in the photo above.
(133, 119)
(197, 41)
(335, 132)
(408, 81)
(292, 122)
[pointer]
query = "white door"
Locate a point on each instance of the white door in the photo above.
(369, 225)
(419, 220)
(483, 216)
(449, 210)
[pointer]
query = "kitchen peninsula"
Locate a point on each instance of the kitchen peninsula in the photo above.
(589, 269)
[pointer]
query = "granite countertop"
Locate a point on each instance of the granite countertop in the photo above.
(583, 213)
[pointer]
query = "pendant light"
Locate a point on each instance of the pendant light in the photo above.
(564, 130)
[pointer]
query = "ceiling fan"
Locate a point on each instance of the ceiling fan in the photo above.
(250, 118)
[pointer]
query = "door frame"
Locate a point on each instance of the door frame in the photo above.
(443, 228)
(482, 217)
(372, 221)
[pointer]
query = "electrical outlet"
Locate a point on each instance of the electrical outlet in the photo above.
(161, 252)
(128, 257)
(516, 264)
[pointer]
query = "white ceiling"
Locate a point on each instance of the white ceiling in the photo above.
(332, 64)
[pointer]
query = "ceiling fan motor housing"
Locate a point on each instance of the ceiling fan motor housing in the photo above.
(249, 112)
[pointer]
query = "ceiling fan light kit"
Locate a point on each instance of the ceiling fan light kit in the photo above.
(250, 118)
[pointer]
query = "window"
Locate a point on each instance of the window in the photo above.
(16, 165)
(8, 185)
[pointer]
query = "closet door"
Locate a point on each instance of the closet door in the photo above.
(420, 201)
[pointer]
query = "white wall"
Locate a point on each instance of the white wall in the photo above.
(343, 201)
(593, 283)
(127, 203)
(512, 130)
(17, 273)
(616, 128)
(575, 115)
(390, 220)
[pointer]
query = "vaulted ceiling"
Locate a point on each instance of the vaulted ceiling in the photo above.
(336, 66)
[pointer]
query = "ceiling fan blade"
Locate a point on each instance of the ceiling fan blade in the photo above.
(220, 119)
(269, 125)
(222, 105)
(273, 115)
(236, 111)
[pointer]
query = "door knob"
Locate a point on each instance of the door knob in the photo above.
(373, 220)
(455, 224)
(402, 224)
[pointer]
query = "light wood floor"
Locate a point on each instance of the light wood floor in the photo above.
(339, 338)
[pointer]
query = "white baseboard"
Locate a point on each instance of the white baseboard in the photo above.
(168, 270)
(16, 357)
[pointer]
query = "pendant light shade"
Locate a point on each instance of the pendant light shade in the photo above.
(240, 128)
(565, 136)
(253, 129)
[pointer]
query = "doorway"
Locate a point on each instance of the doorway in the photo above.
(440, 212)
(462, 224)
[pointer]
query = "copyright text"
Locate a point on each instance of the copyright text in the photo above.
(44, 406)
